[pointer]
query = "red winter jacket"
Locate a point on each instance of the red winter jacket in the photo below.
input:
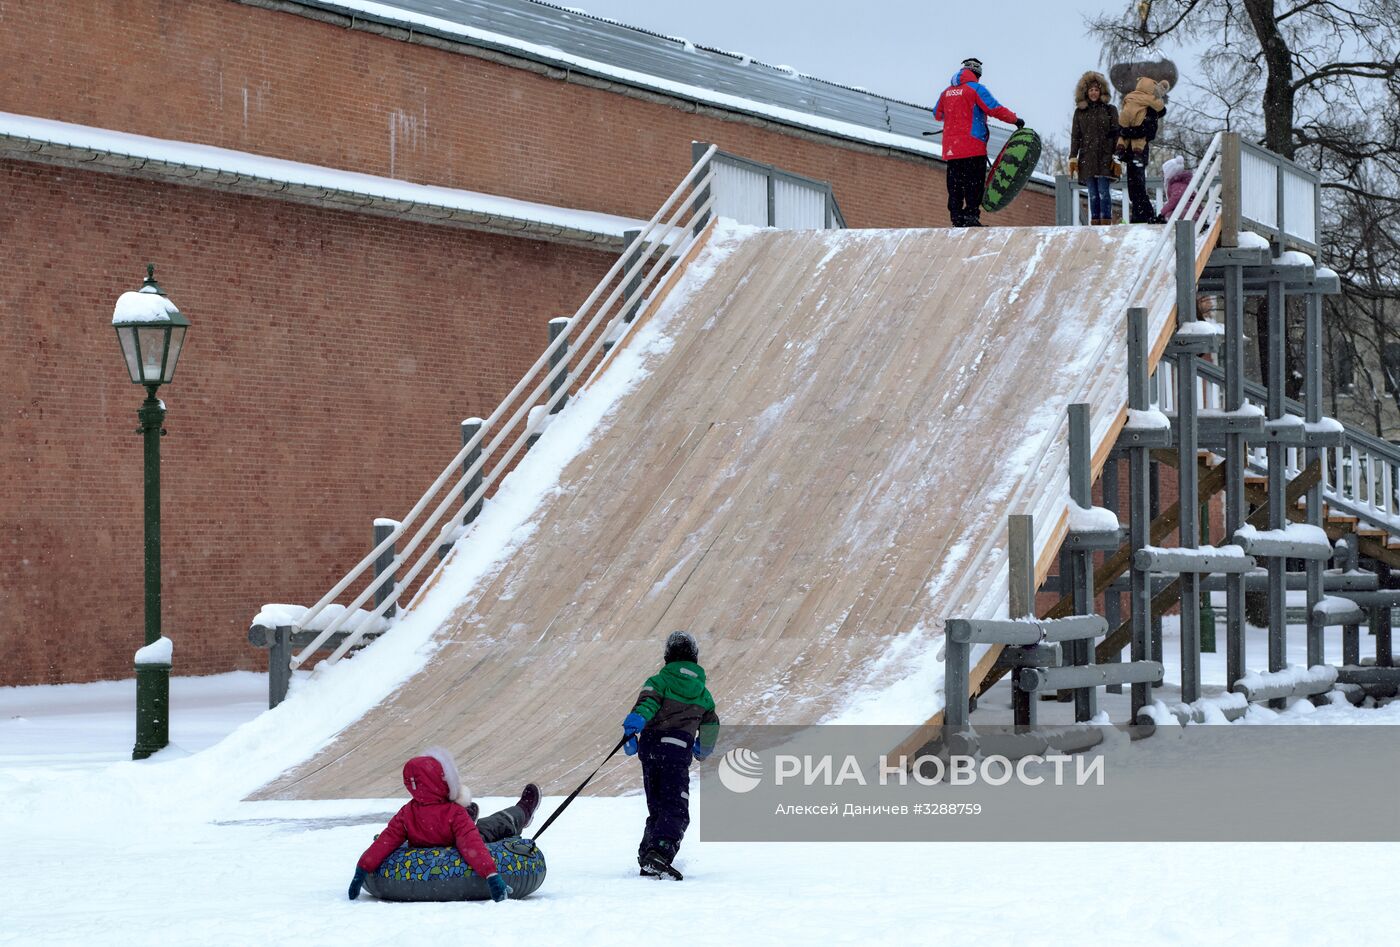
(431, 819)
(963, 109)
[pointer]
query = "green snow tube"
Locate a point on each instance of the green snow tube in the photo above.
(1012, 169)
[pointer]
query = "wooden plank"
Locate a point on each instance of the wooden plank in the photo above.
(800, 478)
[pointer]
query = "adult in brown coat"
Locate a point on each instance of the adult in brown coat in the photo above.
(1092, 137)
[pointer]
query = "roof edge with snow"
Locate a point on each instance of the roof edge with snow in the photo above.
(46, 141)
(385, 19)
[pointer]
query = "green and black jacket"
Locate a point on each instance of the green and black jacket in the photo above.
(675, 698)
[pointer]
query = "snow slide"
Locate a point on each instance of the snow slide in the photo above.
(807, 460)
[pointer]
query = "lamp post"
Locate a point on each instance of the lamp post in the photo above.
(152, 333)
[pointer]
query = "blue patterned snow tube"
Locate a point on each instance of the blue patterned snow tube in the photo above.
(440, 874)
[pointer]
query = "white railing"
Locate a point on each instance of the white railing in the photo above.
(1361, 477)
(1072, 199)
(1258, 187)
(1278, 198)
(761, 195)
(659, 245)
(1153, 288)
(741, 193)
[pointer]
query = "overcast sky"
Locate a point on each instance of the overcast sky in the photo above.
(1032, 51)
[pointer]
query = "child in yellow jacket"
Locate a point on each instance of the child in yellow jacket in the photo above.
(1137, 125)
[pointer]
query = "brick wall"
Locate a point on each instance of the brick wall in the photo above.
(331, 358)
(224, 73)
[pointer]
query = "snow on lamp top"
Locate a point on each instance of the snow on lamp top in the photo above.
(142, 306)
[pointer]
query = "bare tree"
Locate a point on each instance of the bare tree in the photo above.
(1317, 81)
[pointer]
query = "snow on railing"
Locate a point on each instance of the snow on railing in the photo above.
(1152, 288)
(655, 249)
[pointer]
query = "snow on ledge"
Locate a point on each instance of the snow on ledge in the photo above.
(1152, 420)
(159, 651)
(1292, 533)
(1200, 327)
(1095, 519)
(309, 175)
(1249, 240)
(1294, 258)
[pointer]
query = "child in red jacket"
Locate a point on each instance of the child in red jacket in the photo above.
(442, 813)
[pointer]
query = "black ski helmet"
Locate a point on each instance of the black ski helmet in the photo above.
(975, 64)
(681, 646)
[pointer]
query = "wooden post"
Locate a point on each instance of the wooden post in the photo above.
(1021, 599)
(1230, 206)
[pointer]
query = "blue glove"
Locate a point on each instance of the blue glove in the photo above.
(499, 889)
(630, 746)
(701, 750)
(357, 882)
(633, 723)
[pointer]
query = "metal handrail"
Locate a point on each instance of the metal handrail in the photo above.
(555, 398)
(1360, 477)
(1053, 450)
(672, 241)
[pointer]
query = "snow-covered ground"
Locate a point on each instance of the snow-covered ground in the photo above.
(105, 851)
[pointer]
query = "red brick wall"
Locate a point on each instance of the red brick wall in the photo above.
(331, 358)
(223, 73)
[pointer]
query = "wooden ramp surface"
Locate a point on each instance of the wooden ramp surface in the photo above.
(795, 481)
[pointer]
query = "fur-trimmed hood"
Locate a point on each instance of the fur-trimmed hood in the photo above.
(433, 778)
(1081, 89)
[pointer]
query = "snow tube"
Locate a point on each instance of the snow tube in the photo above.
(440, 874)
(1012, 169)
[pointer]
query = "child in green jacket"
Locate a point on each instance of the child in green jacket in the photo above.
(673, 721)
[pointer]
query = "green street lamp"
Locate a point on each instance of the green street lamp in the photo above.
(152, 333)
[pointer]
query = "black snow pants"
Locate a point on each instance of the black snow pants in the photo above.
(967, 180)
(1140, 209)
(500, 825)
(665, 756)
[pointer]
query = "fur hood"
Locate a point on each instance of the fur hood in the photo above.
(455, 790)
(1081, 89)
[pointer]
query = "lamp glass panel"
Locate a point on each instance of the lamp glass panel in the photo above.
(127, 336)
(153, 351)
(177, 339)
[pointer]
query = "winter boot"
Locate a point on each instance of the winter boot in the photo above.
(529, 801)
(656, 864)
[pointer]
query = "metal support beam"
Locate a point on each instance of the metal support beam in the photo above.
(1381, 625)
(1312, 407)
(1139, 502)
(1021, 598)
(382, 529)
(1081, 492)
(1112, 600)
(1187, 477)
(1088, 678)
(1278, 513)
(1234, 461)
(635, 283)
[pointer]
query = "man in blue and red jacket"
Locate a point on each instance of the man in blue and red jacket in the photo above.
(963, 109)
